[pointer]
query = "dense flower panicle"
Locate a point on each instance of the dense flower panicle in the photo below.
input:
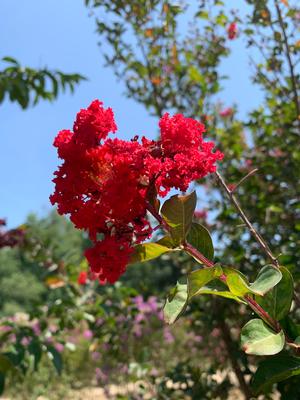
(232, 31)
(186, 157)
(108, 258)
(93, 124)
(104, 183)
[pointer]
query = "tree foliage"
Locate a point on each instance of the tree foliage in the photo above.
(27, 86)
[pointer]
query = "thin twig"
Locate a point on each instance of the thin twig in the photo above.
(243, 179)
(244, 217)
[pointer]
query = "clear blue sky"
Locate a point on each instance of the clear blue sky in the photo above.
(61, 35)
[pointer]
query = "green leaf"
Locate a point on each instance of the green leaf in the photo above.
(219, 288)
(167, 242)
(238, 284)
(178, 212)
(5, 364)
(278, 301)
(199, 237)
(56, 358)
(176, 303)
(197, 279)
(147, 251)
(273, 370)
(267, 278)
(10, 60)
(258, 339)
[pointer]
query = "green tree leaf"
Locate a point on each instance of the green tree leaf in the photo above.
(211, 289)
(257, 338)
(267, 278)
(274, 369)
(197, 279)
(166, 241)
(176, 303)
(238, 284)
(147, 251)
(199, 237)
(278, 301)
(178, 212)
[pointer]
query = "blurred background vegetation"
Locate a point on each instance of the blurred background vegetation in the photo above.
(60, 334)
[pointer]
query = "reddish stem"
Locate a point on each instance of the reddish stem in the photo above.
(199, 256)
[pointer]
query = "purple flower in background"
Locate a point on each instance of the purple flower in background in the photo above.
(36, 328)
(95, 355)
(100, 376)
(169, 338)
(152, 301)
(88, 334)
(139, 318)
(198, 338)
(99, 321)
(25, 341)
(5, 328)
(59, 347)
(137, 330)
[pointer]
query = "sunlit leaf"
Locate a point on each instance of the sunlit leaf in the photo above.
(176, 303)
(257, 338)
(147, 251)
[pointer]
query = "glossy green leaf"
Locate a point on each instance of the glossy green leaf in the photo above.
(278, 301)
(197, 279)
(176, 303)
(147, 251)
(199, 237)
(274, 369)
(178, 212)
(257, 338)
(267, 278)
(237, 284)
(221, 293)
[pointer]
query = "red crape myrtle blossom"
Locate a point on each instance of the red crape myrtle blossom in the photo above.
(232, 31)
(104, 184)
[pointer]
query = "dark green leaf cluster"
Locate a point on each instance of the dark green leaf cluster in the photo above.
(27, 86)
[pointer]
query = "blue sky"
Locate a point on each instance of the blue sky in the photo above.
(60, 34)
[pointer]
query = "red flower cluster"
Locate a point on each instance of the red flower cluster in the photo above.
(104, 184)
(226, 112)
(82, 278)
(12, 237)
(232, 31)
